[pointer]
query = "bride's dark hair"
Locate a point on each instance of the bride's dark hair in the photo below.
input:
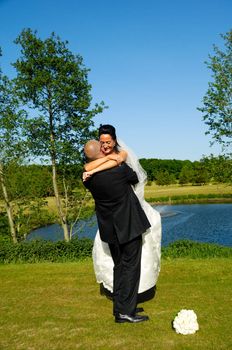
(109, 130)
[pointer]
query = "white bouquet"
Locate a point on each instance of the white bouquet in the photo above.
(186, 322)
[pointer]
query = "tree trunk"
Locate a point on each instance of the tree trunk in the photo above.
(61, 213)
(8, 206)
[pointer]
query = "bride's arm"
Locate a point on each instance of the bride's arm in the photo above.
(118, 158)
(107, 165)
(112, 161)
(95, 163)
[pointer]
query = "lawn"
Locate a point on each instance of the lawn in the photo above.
(155, 191)
(58, 306)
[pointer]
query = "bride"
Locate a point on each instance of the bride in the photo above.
(112, 153)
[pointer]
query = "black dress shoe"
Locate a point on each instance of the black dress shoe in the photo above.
(119, 318)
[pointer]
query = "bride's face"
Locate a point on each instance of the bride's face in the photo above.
(107, 143)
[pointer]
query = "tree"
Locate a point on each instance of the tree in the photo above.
(164, 178)
(201, 175)
(217, 102)
(11, 119)
(148, 166)
(53, 82)
(219, 168)
(186, 174)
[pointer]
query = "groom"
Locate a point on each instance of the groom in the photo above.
(121, 222)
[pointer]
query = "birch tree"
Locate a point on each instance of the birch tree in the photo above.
(53, 82)
(11, 119)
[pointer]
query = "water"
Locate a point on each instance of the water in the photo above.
(210, 223)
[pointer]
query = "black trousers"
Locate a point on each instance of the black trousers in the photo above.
(127, 262)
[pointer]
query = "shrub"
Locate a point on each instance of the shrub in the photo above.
(77, 249)
(195, 250)
(41, 250)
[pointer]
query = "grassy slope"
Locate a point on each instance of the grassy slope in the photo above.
(58, 306)
(155, 191)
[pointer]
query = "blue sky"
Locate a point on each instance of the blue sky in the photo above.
(146, 59)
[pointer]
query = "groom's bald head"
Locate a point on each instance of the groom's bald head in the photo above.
(92, 150)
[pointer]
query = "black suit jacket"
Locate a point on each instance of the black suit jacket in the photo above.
(117, 208)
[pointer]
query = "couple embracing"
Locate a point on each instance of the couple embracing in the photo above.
(126, 251)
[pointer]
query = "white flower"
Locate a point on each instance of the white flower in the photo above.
(186, 322)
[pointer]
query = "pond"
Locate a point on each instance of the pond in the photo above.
(210, 223)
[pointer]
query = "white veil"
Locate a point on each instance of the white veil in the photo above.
(133, 161)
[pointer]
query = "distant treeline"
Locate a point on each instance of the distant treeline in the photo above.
(170, 171)
(36, 180)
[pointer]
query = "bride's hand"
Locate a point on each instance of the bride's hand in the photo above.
(115, 157)
(86, 175)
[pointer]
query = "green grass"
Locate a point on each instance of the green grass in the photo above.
(58, 306)
(155, 191)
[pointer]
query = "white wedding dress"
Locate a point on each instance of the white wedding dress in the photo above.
(151, 239)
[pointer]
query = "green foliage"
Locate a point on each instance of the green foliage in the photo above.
(186, 174)
(201, 175)
(195, 250)
(40, 251)
(188, 198)
(217, 106)
(4, 228)
(55, 82)
(169, 171)
(154, 167)
(12, 148)
(158, 199)
(36, 180)
(219, 168)
(164, 178)
(11, 123)
(28, 181)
